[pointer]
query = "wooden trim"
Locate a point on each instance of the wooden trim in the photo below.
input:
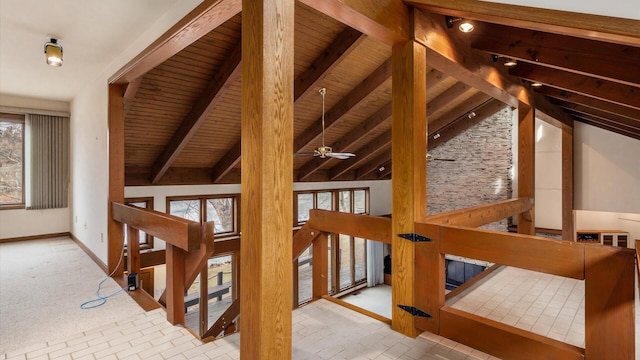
(474, 280)
(366, 152)
(482, 214)
(35, 237)
(549, 256)
(358, 309)
(91, 254)
(526, 165)
(358, 225)
(115, 229)
(502, 340)
(596, 27)
(638, 259)
(203, 19)
(609, 303)
(574, 98)
(385, 20)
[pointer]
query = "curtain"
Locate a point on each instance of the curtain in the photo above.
(48, 161)
(375, 263)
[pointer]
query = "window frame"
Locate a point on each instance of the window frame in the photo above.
(148, 241)
(17, 118)
(203, 210)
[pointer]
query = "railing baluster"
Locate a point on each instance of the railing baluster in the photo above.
(133, 250)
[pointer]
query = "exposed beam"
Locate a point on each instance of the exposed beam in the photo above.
(450, 53)
(568, 227)
(374, 164)
(601, 89)
(597, 114)
(526, 165)
(588, 57)
(199, 22)
(342, 107)
(597, 27)
(446, 97)
(463, 123)
(362, 154)
(552, 113)
(590, 102)
(115, 229)
(202, 108)
(464, 108)
(130, 93)
(344, 143)
(337, 51)
(384, 20)
(607, 125)
(267, 201)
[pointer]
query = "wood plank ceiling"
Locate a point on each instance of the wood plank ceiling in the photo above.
(182, 122)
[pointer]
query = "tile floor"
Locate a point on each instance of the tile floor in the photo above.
(321, 330)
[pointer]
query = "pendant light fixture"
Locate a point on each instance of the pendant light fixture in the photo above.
(53, 53)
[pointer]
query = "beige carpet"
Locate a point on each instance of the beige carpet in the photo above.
(42, 284)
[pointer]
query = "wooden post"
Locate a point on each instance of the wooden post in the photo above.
(320, 267)
(526, 165)
(267, 178)
(409, 183)
(175, 284)
(133, 250)
(567, 184)
(204, 300)
(609, 303)
(115, 229)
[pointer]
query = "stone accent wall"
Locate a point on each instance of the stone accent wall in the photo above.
(481, 172)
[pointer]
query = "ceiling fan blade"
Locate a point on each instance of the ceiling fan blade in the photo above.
(341, 156)
(304, 154)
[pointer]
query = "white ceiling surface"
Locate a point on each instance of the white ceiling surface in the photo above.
(92, 33)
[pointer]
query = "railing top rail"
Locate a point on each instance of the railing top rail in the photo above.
(358, 225)
(183, 233)
(482, 214)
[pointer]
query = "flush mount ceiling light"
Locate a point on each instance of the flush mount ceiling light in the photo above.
(53, 52)
(465, 26)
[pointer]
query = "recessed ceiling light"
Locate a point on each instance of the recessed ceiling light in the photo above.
(509, 62)
(465, 26)
(536, 84)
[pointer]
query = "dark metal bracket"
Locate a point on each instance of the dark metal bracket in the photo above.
(415, 237)
(414, 311)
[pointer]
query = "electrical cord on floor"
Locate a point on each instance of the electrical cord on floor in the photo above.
(101, 300)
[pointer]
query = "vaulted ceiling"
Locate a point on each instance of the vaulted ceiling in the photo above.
(182, 118)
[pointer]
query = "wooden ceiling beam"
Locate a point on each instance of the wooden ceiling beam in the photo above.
(342, 107)
(384, 20)
(551, 113)
(130, 93)
(597, 27)
(588, 57)
(363, 154)
(600, 89)
(448, 51)
(374, 164)
(346, 142)
(462, 123)
(446, 97)
(605, 125)
(631, 124)
(589, 102)
(337, 51)
(435, 124)
(200, 21)
(201, 109)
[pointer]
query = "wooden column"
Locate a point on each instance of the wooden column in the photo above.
(526, 164)
(320, 267)
(175, 284)
(609, 303)
(115, 229)
(409, 183)
(267, 178)
(133, 250)
(567, 184)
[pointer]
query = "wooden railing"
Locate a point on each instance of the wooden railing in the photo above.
(188, 246)
(607, 271)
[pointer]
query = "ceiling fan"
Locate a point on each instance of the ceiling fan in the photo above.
(326, 151)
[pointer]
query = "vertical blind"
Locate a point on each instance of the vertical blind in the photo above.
(49, 161)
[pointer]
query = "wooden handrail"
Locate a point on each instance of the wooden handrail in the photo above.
(482, 214)
(303, 238)
(174, 230)
(362, 226)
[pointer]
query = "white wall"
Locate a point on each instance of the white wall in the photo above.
(607, 170)
(548, 177)
(20, 222)
(89, 140)
(616, 8)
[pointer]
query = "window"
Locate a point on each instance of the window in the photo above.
(11, 161)
(222, 210)
(146, 240)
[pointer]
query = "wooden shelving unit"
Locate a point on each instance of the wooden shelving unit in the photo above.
(618, 238)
